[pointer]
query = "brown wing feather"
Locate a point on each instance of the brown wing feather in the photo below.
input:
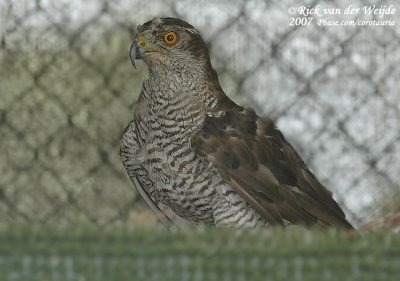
(254, 158)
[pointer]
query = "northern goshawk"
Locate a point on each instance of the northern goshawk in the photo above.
(195, 155)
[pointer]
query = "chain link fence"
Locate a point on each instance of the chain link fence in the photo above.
(67, 90)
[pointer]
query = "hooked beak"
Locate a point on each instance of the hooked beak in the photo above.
(137, 50)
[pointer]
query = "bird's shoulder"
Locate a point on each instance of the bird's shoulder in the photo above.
(236, 138)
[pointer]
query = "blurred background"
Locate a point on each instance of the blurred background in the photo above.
(67, 90)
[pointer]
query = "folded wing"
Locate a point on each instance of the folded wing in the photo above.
(254, 158)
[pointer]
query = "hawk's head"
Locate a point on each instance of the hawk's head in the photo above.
(169, 42)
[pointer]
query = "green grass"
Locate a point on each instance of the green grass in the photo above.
(156, 253)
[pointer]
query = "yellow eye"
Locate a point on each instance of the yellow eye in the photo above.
(170, 38)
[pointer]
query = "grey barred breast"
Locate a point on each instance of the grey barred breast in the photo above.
(156, 148)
